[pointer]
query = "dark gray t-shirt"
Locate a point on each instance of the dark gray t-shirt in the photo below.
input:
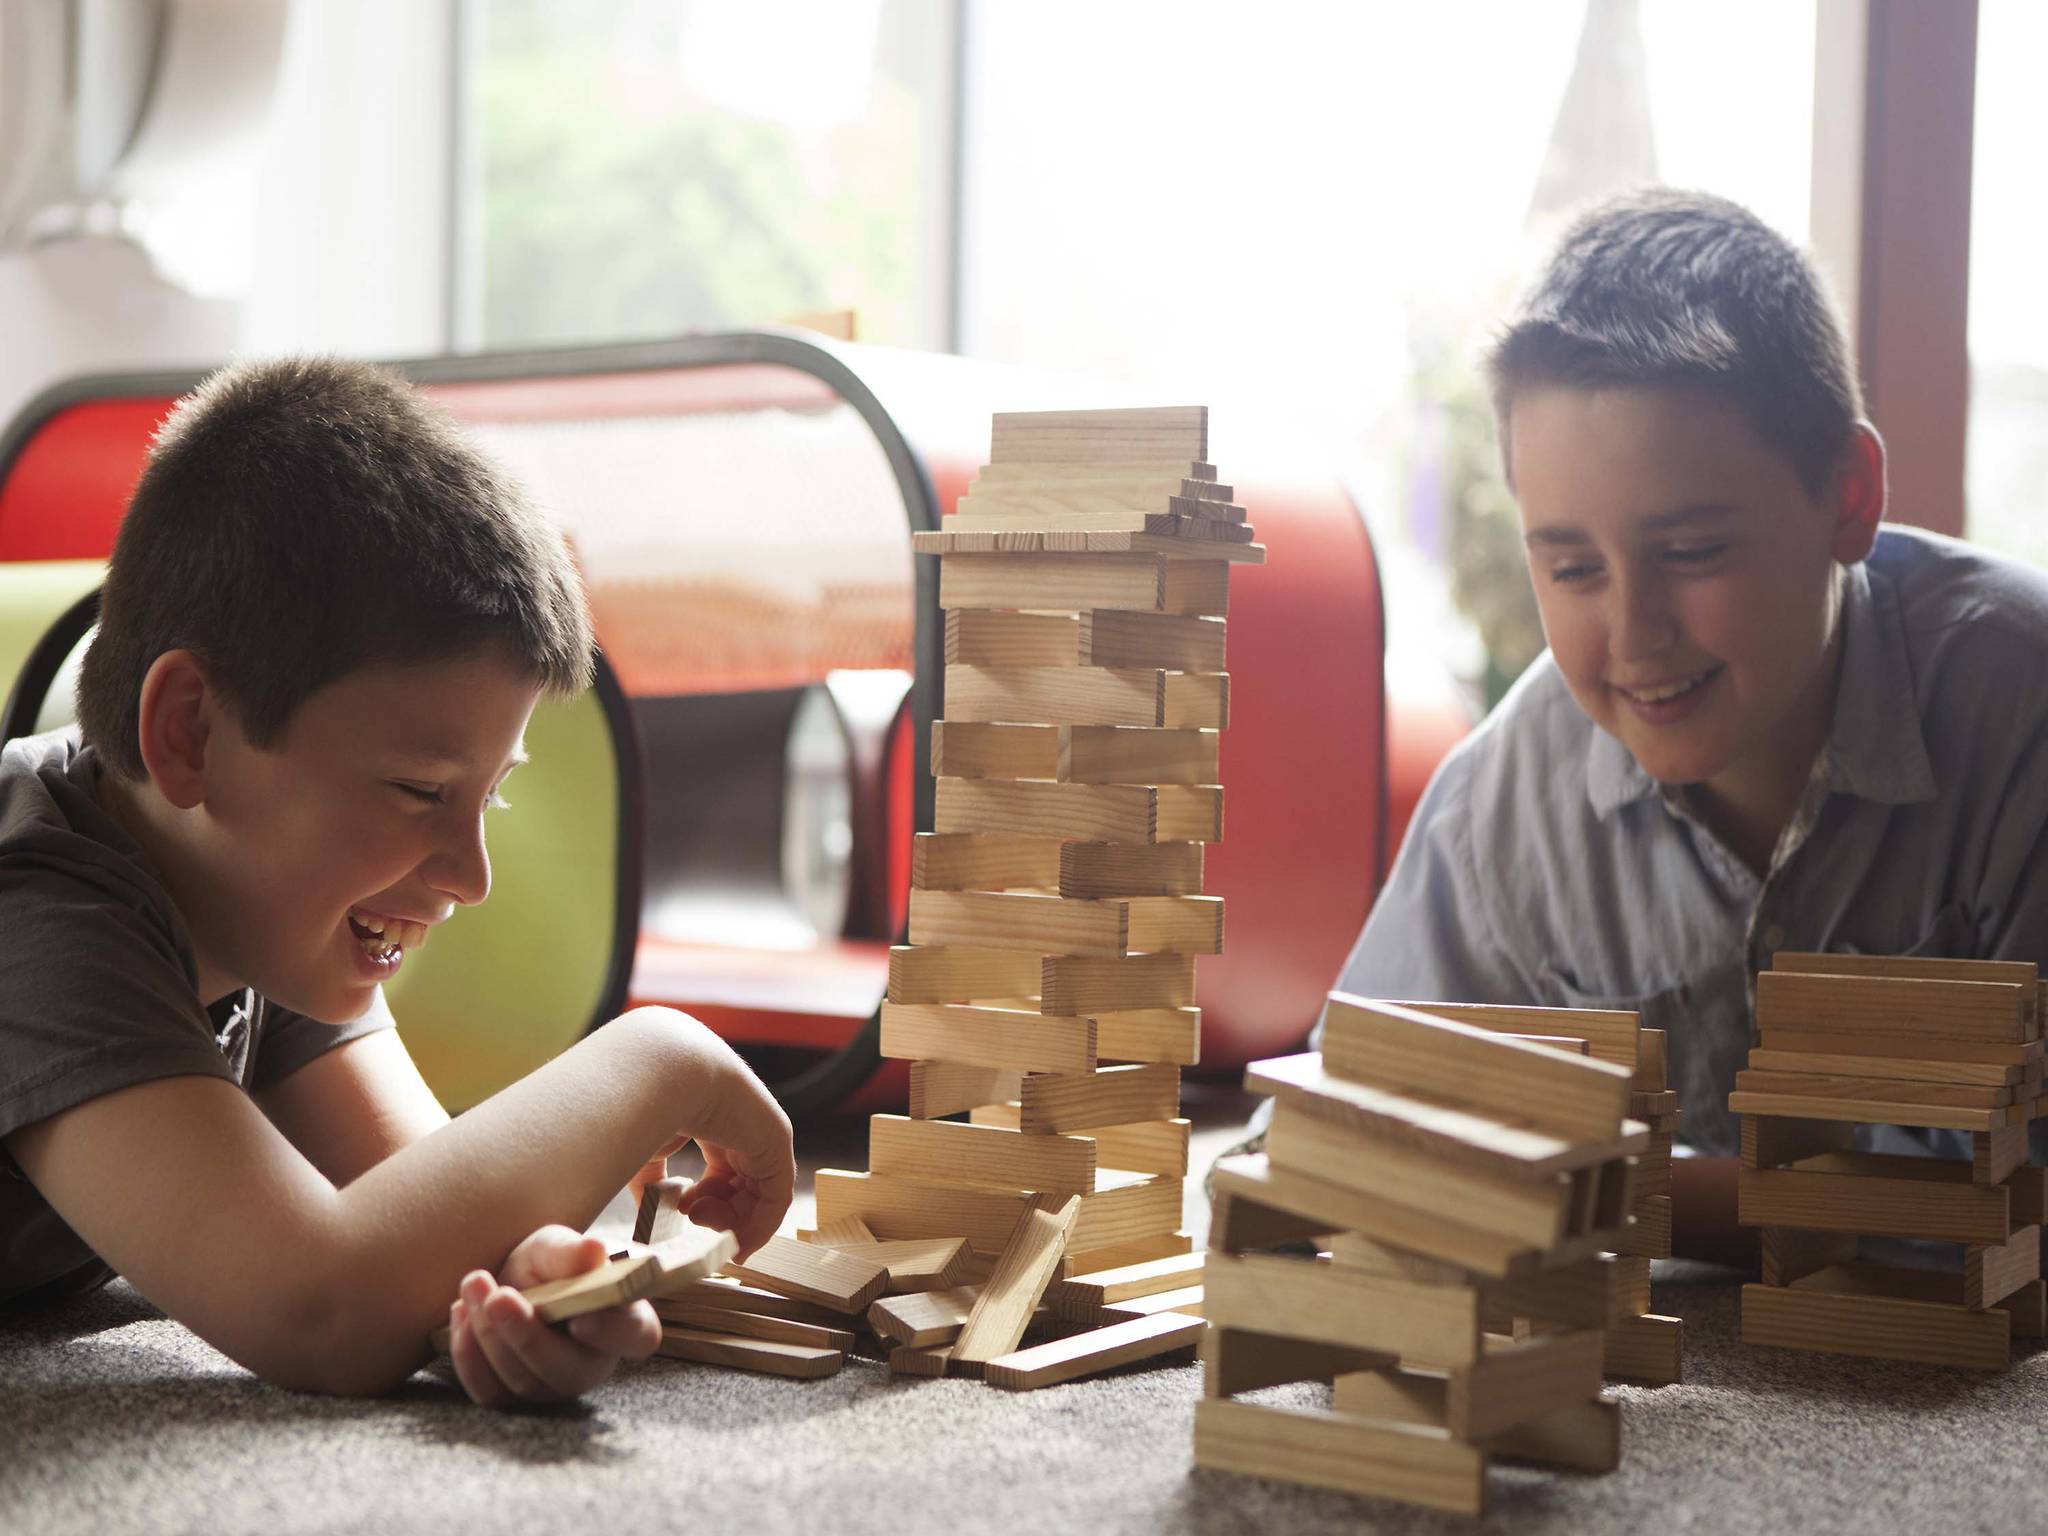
(99, 990)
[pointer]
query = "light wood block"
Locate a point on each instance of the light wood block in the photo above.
(1398, 1049)
(1303, 1299)
(1157, 1146)
(1868, 1111)
(1105, 1287)
(1899, 1007)
(1141, 434)
(2022, 973)
(1189, 1301)
(1181, 541)
(917, 1263)
(989, 638)
(1649, 1234)
(1113, 813)
(1192, 587)
(1189, 813)
(660, 1217)
(1086, 1354)
(1074, 1101)
(1337, 1451)
(1237, 1360)
(718, 1294)
(1240, 1223)
(1059, 695)
(1059, 581)
(1101, 506)
(1588, 1294)
(1196, 700)
(1162, 1246)
(1820, 1085)
(1095, 870)
(1824, 1313)
(1179, 925)
(809, 1273)
(1012, 1293)
(1021, 920)
(946, 1088)
(947, 1152)
(1611, 1034)
(908, 1360)
(1771, 1141)
(1646, 1348)
(1584, 1436)
(1875, 1196)
(1889, 1068)
(988, 1037)
(1653, 1061)
(924, 1318)
(1171, 642)
(1789, 1254)
(659, 1271)
(933, 974)
(1994, 1156)
(960, 861)
(1127, 1210)
(751, 1325)
(1168, 1036)
(1512, 1383)
(983, 749)
(1903, 1047)
(1083, 984)
(802, 1361)
(1029, 472)
(1992, 1272)
(1112, 754)
(839, 1234)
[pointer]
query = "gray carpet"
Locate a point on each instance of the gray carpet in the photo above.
(116, 1420)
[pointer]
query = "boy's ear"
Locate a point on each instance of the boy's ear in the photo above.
(1859, 494)
(173, 725)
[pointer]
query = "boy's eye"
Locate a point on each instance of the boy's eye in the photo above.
(418, 792)
(1567, 575)
(1693, 554)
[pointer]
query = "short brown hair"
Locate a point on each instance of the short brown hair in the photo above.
(301, 519)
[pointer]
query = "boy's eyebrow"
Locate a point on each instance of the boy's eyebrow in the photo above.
(1677, 517)
(436, 757)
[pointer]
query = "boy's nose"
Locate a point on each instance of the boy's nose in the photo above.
(1640, 624)
(461, 868)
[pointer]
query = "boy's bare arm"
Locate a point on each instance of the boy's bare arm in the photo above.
(353, 1107)
(185, 1188)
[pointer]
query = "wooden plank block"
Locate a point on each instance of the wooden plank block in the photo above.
(839, 1234)
(1104, 1287)
(982, 637)
(2022, 973)
(1898, 1007)
(659, 1271)
(1611, 1034)
(987, 1037)
(1170, 1036)
(946, 1088)
(1646, 1348)
(917, 1263)
(1770, 1141)
(1178, 925)
(1338, 1451)
(820, 1275)
(1401, 1050)
(1237, 1360)
(924, 1318)
(1138, 1251)
(1080, 984)
(751, 1325)
(1189, 813)
(907, 1360)
(1194, 701)
(717, 1294)
(1012, 1293)
(938, 974)
(1902, 1047)
(1883, 1068)
(1180, 549)
(1125, 1211)
(1112, 813)
(1866, 1111)
(1330, 1304)
(1992, 1272)
(1189, 1301)
(1102, 1349)
(1528, 1211)
(1122, 504)
(1053, 1102)
(1124, 754)
(1100, 436)
(804, 1362)
(1397, 1394)
(1032, 472)
(1790, 1254)
(1157, 1146)
(1808, 1316)
(1184, 541)
(1588, 1294)
(1192, 587)
(1059, 695)
(1020, 920)
(1847, 1192)
(960, 861)
(1653, 1061)
(2029, 1186)
(1506, 1148)
(947, 1152)
(1583, 1436)
(1996, 1152)
(1631, 1286)
(1515, 1382)
(1817, 1085)
(1239, 1223)
(983, 749)
(2028, 1308)
(660, 1218)
(1649, 1234)
(1063, 581)
(1170, 641)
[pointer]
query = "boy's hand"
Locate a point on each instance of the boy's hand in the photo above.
(505, 1355)
(749, 1176)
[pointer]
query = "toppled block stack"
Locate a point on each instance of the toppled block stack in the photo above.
(1056, 910)
(1448, 1180)
(1642, 1345)
(1875, 1040)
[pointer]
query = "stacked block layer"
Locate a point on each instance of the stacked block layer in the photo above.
(1848, 1040)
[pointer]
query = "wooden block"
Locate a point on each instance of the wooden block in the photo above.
(1995, 1153)
(2029, 1186)
(983, 749)
(1329, 1304)
(1189, 1301)
(1157, 1146)
(1100, 437)
(1992, 1272)
(1163, 1246)
(1239, 1223)
(1337, 1451)
(1053, 1102)
(1077, 984)
(1060, 581)
(929, 974)
(841, 1233)
(1906, 1047)
(1867, 1111)
(986, 638)
(1583, 1436)
(1194, 701)
(1770, 1141)
(1528, 1211)
(1178, 543)
(1513, 1383)
(942, 861)
(716, 1294)
(1129, 869)
(2028, 1308)
(1887, 1068)
(1103, 506)
(1186, 925)
(1816, 1085)
(996, 1325)
(924, 1318)
(658, 1271)
(1179, 925)
(1191, 586)
(1036, 472)
(1611, 1034)
(1631, 1287)
(1059, 695)
(1115, 813)
(1875, 1196)
(1900, 1007)
(1102, 1349)
(1169, 641)
(946, 1088)
(907, 1360)
(2022, 973)
(917, 1263)
(1790, 1254)
(820, 1275)
(1189, 813)
(1814, 1315)
(1132, 1208)
(947, 1152)
(1235, 1360)
(661, 1218)
(1652, 1106)
(1169, 1036)
(987, 1037)
(751, 1325)
(1646, 1348)
(1397, 1049)
(1649, 1235)
(1480, 1142)
(1105, 1287)
(802, 1361)
(1653, 1061)
(1120, 754)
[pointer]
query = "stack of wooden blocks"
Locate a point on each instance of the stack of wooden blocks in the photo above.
(1848, 1040)
(1427, 1184)
(1056, 911)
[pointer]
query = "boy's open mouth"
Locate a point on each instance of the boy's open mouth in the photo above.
(383, 938)
(1664, 693)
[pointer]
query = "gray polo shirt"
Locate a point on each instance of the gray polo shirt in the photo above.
(99, 990)
(1545, 867)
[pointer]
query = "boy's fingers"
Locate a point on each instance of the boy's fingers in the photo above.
(556, 1365)
(630, 1332)
(713, 1211)
(502, 1334)
(471, 1369)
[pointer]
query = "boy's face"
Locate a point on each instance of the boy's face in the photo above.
(1685, 576)
(370, 805)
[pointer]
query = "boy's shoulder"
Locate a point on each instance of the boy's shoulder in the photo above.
(1942, 584)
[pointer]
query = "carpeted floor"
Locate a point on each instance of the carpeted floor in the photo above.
(113, 1420)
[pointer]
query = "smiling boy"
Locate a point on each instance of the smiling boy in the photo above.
(1764, 722)
(326, 622)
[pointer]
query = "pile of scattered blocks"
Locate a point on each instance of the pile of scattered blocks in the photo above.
(1057, 909)
(1948, 1044)
(1438, 1206)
